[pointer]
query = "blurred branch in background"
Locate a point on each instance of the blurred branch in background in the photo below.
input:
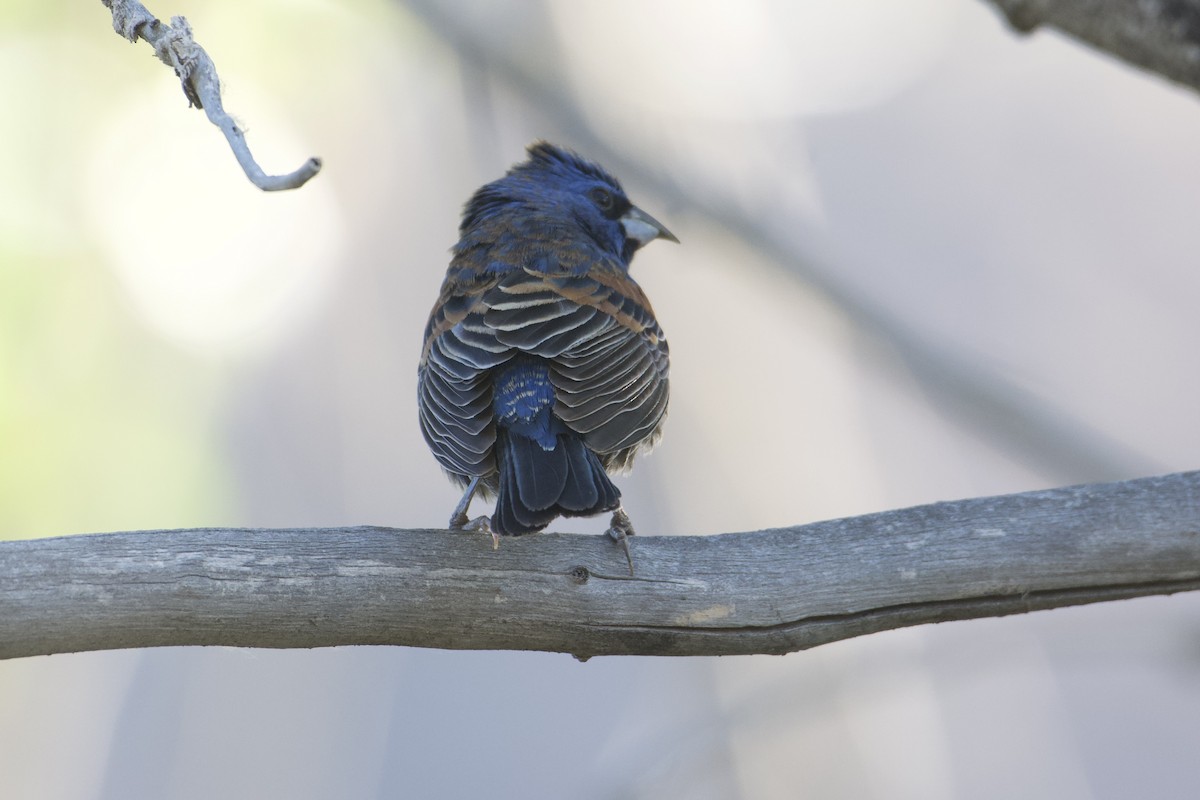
(175, 47)
(1160, 37)
(774, 591)
(1013, 419)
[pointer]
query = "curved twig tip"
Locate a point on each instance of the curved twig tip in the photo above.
(294, 180)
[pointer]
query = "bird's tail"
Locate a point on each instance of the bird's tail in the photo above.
(537, 485)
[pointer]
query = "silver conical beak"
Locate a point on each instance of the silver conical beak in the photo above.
(643, 228)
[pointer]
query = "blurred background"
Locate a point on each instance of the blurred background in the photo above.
(922, 259)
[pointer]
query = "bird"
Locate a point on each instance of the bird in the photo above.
(543, 369)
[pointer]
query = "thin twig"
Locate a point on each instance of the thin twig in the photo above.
(176, 48)
(767, 592)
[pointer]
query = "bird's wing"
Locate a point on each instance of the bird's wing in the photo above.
(611, 380)
(454, 393)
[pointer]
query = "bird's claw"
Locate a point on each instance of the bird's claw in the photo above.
(460, 522)
(620, 529)
(484, 525)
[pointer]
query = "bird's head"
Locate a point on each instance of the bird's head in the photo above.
(569, 189)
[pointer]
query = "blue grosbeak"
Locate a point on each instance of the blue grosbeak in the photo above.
(543, 368)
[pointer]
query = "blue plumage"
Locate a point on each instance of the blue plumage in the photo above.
(522, 400)
(543, 367)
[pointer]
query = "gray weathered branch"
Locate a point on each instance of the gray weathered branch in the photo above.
(176, 48)
(1161, 36)
(773, 591)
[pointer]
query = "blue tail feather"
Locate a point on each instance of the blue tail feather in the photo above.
(537, 485)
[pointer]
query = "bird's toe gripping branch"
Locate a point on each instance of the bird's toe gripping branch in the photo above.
(459, 521)
(620, 529)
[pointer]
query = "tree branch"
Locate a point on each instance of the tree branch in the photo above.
(175, 47)
(1161, 36)
(774, 591)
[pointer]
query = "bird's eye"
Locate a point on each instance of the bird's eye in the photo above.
(603, 198)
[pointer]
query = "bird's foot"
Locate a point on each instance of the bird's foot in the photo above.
(484, 525)
(460, 522)
(620, 529)
(458, 518)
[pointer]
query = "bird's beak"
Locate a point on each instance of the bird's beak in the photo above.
(643, 228)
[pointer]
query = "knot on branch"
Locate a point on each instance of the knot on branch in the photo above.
(1023, 15)
(177, 49)
(128, 17)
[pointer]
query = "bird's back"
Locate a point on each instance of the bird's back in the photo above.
(508, 295)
